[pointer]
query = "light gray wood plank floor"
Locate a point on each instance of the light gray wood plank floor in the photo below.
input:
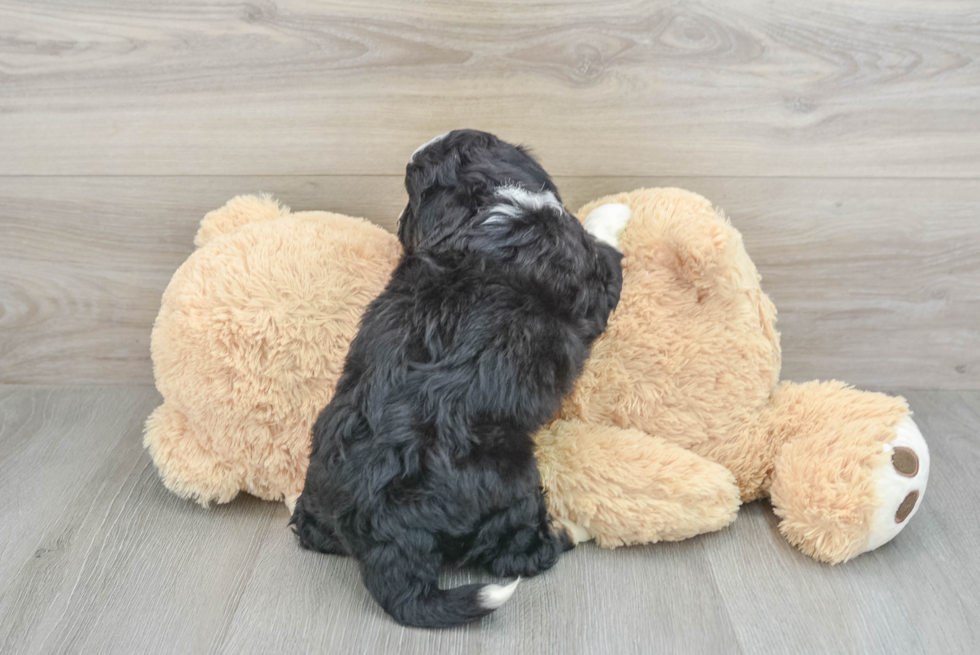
(96, 556)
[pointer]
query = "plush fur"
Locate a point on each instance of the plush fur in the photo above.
(677, 418)
(250, 342)
(424, 457)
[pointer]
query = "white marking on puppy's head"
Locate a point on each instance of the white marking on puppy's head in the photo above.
(606, 222)
(493, 596)
(517, 201)
(426, 145)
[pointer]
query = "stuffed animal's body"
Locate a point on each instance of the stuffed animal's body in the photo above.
(679, 414)
(678, 417)
(251, 340)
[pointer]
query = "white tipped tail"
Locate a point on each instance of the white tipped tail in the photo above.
(493, 596)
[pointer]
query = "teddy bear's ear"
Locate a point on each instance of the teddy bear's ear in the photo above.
(239, 211)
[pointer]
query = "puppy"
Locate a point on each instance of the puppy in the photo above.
(424, 456)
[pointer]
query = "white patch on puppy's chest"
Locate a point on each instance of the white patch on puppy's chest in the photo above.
(606, 222)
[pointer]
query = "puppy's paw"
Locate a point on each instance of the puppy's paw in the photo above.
(606, 222)
(576, 532)
(529, 564)
(314, 535)
(290, 502)
(900, 482)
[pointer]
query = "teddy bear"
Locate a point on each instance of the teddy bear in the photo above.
(678, 417)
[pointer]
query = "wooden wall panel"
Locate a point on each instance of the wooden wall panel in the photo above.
(620, 87)
(843, 139)
(877, 282)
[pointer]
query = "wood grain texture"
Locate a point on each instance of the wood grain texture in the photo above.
(877, 282)
(98, 557)
(87, 564)
(883, 601)
(866, 88)
(843, 140)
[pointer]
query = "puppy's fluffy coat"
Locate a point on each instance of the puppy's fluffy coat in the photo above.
(424, 456)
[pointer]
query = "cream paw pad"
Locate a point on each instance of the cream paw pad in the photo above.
(901, 483)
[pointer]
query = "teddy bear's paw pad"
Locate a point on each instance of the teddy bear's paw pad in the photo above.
(907, 506)
(905, 461)
(901, 482)
(606, 222)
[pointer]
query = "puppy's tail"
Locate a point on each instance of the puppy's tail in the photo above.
(409, 591)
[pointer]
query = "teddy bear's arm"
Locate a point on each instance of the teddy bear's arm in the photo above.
(626, 487)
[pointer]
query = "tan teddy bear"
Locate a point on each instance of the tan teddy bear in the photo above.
(678, 417)
(250, 341)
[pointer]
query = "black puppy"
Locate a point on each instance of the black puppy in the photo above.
(424, 456)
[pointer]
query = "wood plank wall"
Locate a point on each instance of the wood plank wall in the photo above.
(843, 140)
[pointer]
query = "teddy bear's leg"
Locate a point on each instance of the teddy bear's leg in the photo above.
(278, 454)
(185, 466)
(626, 487)
(851, 472)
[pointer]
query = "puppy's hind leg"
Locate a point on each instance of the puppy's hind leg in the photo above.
(315, 532)
(521, 541)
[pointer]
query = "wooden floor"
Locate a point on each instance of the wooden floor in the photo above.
(96, 556)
